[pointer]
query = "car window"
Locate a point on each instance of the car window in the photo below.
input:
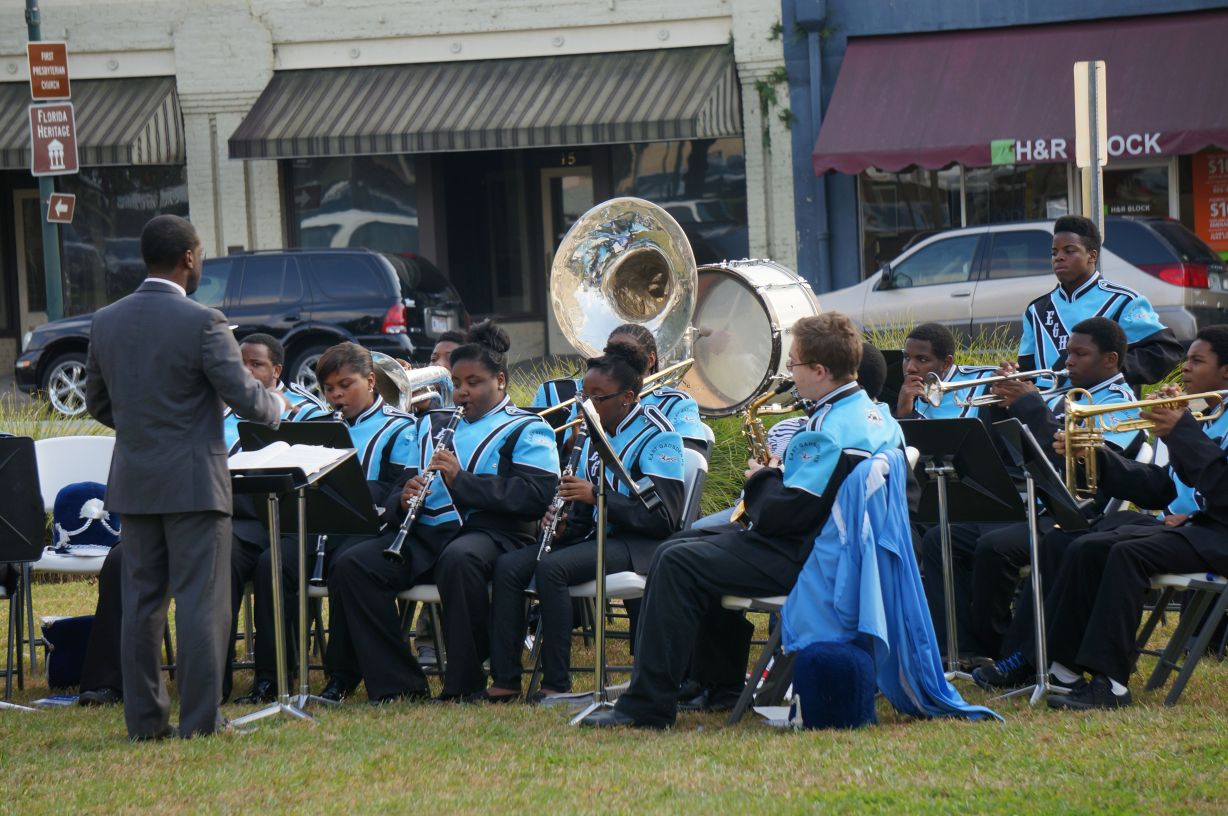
(214, 278)
(269, 280)
(1189, 246)
(1134, 243)
(946, 261)
(347, 277)
(1020, 253)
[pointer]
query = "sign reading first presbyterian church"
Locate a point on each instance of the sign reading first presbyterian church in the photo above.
(53, 140)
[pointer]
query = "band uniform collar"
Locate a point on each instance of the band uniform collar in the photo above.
(1087, 286)
(1114, 380)
(501, 405)
(375, 408)
(631, 416)
(840, 393)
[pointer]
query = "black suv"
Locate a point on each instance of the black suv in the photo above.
(308, 299)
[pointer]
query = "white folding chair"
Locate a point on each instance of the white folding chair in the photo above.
(1205, 609)
(769, 605)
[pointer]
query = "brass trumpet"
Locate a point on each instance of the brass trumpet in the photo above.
(1085, 428)
(936, 389)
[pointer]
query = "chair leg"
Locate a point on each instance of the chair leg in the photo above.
(321, 634)
(249, 627)
(27, 574)
(535, 658)
(1170, 658)
(776, 685)
(748, 691)
(1153, 619)
(14, 604)
(1200, 646)
(17, 617)
(441, 649)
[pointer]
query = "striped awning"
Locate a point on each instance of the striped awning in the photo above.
(119, 121)
(638, 96)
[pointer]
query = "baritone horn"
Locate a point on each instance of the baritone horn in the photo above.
(936, 388)
(1086, 424)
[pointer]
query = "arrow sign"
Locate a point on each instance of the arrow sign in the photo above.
(60, 208)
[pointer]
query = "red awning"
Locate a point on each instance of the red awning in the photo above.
(937, 99)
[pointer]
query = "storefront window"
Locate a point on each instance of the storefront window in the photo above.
(899, 208)
(101, 256)
(701, 183)
(1136, 191)
(354, 201)
(998, 195)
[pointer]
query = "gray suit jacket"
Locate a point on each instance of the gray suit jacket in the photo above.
(160, 366)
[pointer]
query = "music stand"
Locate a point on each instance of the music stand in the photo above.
(334, 501)
(965, 482)
(22, 525)
(645, 493)
(1043, 483)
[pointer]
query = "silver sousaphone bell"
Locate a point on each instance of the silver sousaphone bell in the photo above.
(410, 389)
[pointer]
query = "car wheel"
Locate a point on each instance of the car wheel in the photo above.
(303, 369)
(64, 384)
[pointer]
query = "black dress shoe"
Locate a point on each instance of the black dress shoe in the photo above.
(613, 718)
(411, 696)
(722, 699)
(100, 697)
(167, 732)
(484, 696)
(1096, 694)
(263, 691)
(335, 691)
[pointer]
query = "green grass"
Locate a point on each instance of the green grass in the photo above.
(1149, 758)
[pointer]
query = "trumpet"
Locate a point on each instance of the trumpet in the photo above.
(1085, 427)
(666, 376)
(936, 389)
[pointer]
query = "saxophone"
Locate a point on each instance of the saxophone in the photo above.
(756, 440)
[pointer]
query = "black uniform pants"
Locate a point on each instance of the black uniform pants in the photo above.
(1093, 610)
(553, 575)
(681, 605)
(101, 667)
(366, 642)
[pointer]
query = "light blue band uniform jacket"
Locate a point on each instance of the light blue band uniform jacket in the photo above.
(650, 448)
(1045, 415)
(679, 408)
(304, 405)
(787, 507)
(950, 407)
(1153, 349)
(509, 475)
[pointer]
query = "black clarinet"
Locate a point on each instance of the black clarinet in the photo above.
(317, 571)
(558, 506)
(443, 440)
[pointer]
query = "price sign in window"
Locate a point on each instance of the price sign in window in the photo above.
(1211, 199)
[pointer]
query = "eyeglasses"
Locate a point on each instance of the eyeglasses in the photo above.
(790, 365)
(582, 397)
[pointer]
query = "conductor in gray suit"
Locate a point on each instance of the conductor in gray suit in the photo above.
(160, 366)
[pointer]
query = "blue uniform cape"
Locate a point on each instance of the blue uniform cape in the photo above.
(861, 582)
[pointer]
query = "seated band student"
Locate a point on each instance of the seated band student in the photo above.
(787, 507)
(1069, 593)
(648, 447)
(678, 406)
(987, 558)
(930, 349)
(871, 376)
(1081, 292)
(493, 486)
(385, 441)
(101, 680)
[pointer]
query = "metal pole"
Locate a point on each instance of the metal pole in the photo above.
(46, 186)
(1094, 178)
(601, 698)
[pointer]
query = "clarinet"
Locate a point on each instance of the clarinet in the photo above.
(443, 440)
(558, 506)
(317, 571)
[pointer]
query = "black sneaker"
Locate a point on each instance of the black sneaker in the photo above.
(1096, 694)
(335, 691)
(263, 691)
(1010, 672)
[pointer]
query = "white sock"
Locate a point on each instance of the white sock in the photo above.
(1118, 688)
(1063, 674)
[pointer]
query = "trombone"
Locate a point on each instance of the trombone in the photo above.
(936, 388)
(671, 375)
(1085, 427)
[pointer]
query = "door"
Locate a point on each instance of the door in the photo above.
(567, 193)
(31, 284)
(933, 283)
(269, 295)
(1019, 270)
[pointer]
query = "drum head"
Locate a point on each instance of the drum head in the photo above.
(737, 345)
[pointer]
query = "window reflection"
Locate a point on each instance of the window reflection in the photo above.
(354, 201)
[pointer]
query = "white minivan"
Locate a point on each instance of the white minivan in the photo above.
(980, 279)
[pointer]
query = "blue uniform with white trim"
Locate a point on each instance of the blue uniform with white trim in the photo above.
(678, 406)
(1153, 350)
(1189, 500)
(303, 406)
(950, 408)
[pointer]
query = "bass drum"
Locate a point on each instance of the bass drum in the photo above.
(744, 314)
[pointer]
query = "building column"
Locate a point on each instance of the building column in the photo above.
(768, 140)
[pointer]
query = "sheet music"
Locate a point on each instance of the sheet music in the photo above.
(308, 458)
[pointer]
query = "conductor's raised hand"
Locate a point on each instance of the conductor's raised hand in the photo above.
(575, 489)
(445, 461)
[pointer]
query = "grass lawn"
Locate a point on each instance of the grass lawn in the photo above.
(523, 759)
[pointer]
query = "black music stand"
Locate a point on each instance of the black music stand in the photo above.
(22, 526)
(962, 480)
(332, 501)
(1043, 483)
(647, 495)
